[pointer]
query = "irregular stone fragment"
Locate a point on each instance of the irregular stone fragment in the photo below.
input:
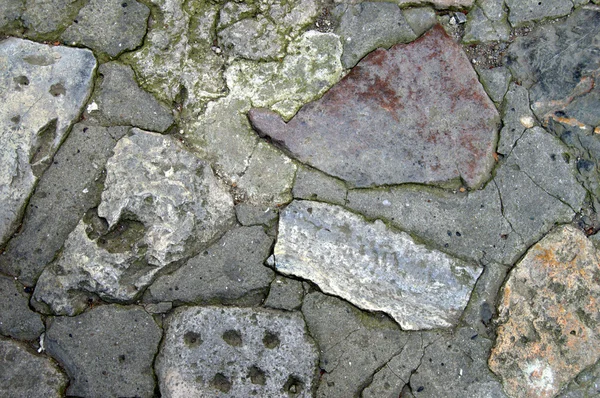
(420, 19)
(16, 319)
(23, 374)
(161, 204)
(107, 352)
(420, 288)
(118, 100)
(537, 185)
(176, 62)
(364, 129)
(11, 13)
(439, 4)
(559, 64)
(495, 81)
(454, 365)
(70, 187)
(533, 190)
(548, 316)
(487, 22)
(311, 67)
(285, 294)
(314, 185)
(269, 177)
(262, 31)
(44, 18)
(367, 26)
(515, 110)
(228, 270)
(482, 306)
(42, 89)
(521, 11)
(248, 214)
(390, 380)
(109, 27)
(353, 344)
(236, 352)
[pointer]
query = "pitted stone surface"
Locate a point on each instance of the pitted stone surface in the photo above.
(339, 251)
(109, 26)
(549, 320)
(107, 352)
(236, 352)
(23, 374)
(161, 204)
(228, 270)
(395, 118)
(42, 90)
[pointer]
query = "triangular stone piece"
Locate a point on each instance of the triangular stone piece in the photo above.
(413, 113)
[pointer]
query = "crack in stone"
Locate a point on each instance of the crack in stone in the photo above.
(502, 212)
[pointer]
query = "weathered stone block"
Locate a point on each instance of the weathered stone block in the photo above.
(549, 317)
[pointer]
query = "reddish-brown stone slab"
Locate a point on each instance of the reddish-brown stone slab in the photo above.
(413, 113)
(549, 316)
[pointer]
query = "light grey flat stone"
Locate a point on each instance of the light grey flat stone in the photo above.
(236, 352)
(372, 266)
(42, 91)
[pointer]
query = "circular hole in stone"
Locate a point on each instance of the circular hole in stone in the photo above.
(257, 375)
(57, 90)
(221, 383)
(271, 340)
(21, 80)
(192, 339)
(15, 119)
(293, 386)
(233, 338)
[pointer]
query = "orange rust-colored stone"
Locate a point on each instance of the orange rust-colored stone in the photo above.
(549, 316)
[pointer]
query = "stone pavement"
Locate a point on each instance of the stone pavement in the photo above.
(300, 198)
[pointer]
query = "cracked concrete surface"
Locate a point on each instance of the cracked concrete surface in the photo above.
(303, 198)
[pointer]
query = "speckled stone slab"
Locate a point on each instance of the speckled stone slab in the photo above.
(373, 266)
(414, 113)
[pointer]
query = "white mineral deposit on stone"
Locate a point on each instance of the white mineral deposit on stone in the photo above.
(373, 266)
